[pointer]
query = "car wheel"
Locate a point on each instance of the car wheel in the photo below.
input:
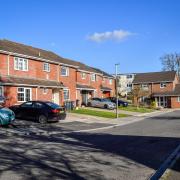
(89, 104)
(42, 119)
(105, 106)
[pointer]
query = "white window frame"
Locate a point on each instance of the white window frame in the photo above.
(83, 75)
(67, 71)
(66, 90)
(163, 85)
(93, 77)
(144, 86)
(110, 81)
(18, 62)
(24, 93)
(45, 90)
(178, 99)
(46, 67)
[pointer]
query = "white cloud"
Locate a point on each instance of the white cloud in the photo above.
(117, 35)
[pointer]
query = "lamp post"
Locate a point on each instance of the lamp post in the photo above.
(116, 73)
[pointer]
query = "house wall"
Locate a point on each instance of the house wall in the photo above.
(174, 102)
(85, 81)
(156, 87)
(3, 64)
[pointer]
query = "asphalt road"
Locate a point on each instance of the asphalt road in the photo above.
(133, 151)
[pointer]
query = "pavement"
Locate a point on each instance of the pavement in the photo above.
(134, 150)
(174, 173)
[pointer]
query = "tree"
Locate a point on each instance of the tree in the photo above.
(137, 93)
(170, 62)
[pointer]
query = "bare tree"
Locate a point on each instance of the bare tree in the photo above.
(170, 62)
(138, 92)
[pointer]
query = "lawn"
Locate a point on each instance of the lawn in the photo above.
(135, 109)
(104, 114)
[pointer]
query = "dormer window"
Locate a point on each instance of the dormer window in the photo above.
(163, 85)
(64, 71)
(46, 67)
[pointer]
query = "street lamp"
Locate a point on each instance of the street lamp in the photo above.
(116, 73)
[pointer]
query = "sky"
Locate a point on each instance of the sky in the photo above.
(100, 33)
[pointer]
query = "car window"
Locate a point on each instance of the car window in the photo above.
(106, 100)
(53, 105)
(38, 105)
(27, 104)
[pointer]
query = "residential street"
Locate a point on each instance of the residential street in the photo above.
(133, 151)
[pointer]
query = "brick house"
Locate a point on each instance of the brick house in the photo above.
(163, 88)
(29, 73)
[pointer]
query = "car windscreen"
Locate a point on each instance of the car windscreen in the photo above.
(106, 100)
(53, 105)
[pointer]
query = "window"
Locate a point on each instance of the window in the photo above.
(23, 94)
(178, 98)
(64, 71)
(66, 94)
(110, 81)
(45, 90)
(129, 76)
(162, 85)
(145, 86)
(27, 104)
(20, 64)
(46, 67)
(129, 85)
(38, 105)
(1, 91)
(83, 75)
(93, 77)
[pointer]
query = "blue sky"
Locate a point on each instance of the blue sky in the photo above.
(100, 33)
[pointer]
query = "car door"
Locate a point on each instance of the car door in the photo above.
(37, 109)
(25, 110)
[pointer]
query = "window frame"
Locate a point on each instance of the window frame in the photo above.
(66, 90)
(67, 71)
(163, 85)
(24, 88)
(93, 75)
(145, 86)
(83, 75)
(110, 81)
(17, 61)
(45, 90)
(1, 87)
(46, 65)
(178, 99)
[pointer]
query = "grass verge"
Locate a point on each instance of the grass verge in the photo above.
(135, 109)
(104, 114)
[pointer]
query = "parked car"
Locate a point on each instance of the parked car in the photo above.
(120, 102)
(41, 111)
(6, 115)
(101, 103)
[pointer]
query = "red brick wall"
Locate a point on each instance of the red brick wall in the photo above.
(174, 102)
(35, 70)
(70, 83)
(3, 64)
(85, 81)
(156, 87)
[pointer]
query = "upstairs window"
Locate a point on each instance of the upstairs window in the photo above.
(129, 76)
(20, 64)
(83, 75)
(46, 67)
(129, 85)
(64, 71)
(110, 81)
(93, 77)
(162, 85)
(145, 86)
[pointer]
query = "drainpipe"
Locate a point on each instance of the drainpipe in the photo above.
(8, 65)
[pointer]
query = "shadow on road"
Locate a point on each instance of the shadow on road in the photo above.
(82, 155)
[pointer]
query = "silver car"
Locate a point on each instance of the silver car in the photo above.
(101, 103)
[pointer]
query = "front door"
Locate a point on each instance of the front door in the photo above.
(84, 97)
(55, 97)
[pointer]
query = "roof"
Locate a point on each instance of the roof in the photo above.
(154, 77)
(23, 49)
(30, 82)
(176, 92)
(103, 72)
(80, 86)
(105, 88)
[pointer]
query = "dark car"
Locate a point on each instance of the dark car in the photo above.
(120, 102)
(41, 111)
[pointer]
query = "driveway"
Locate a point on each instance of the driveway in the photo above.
(133, 151)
